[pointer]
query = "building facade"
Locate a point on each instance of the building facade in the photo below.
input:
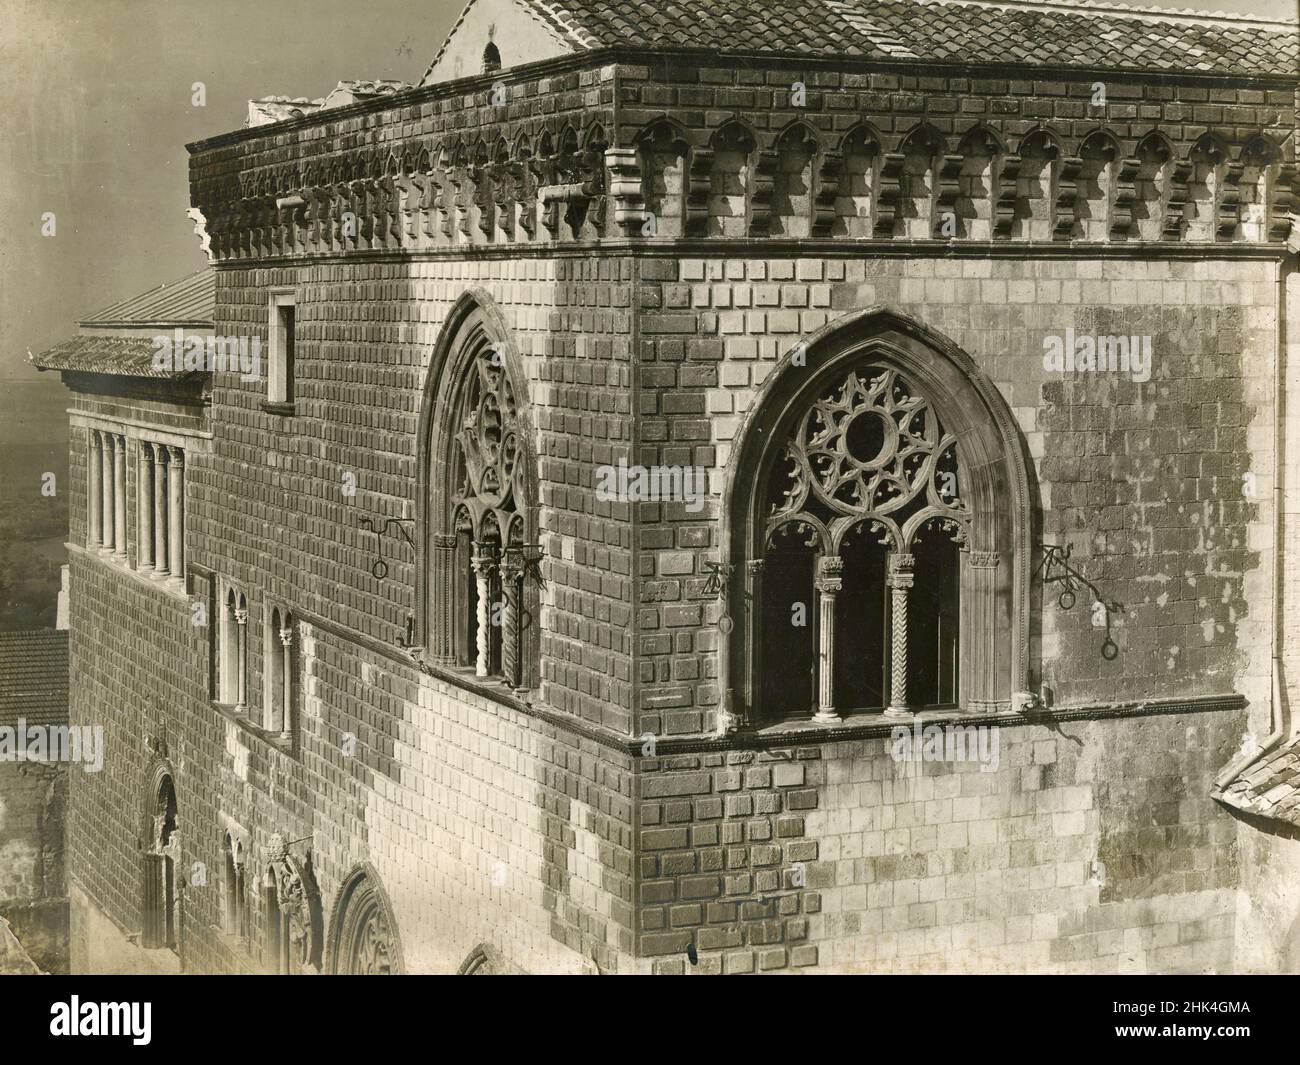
(678, 437)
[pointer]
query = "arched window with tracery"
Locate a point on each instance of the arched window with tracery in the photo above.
(883, 560)
(481, 574)
(363, 930)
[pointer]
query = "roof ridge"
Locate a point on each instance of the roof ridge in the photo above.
(1115, 7)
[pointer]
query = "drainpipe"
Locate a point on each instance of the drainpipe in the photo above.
(1279, 715)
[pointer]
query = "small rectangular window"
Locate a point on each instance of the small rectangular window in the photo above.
(280, 372)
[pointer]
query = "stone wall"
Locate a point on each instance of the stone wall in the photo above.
(1084, 846)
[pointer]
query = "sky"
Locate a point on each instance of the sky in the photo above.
(97, 110)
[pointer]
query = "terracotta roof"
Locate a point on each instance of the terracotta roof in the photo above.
(1051, 33)
(190, 301)
(124, 356)
(34, 677)
(1271, 787)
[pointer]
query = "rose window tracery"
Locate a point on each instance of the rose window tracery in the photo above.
(869, 450)
(487, 443)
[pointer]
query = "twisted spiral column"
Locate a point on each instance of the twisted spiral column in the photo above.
(512, 572)
(899, 580)
(484, 563)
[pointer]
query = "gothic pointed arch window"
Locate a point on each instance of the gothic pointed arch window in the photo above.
(161, 863)
(294, 920)
(478, 491)
(363, 930)
(883, 560)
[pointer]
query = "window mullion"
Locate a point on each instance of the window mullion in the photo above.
(830, 580)
(900, 581)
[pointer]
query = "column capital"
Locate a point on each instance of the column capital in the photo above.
(830, 574)
(984, 559)
(176, 454)
(286, 637)
(512, 564)
(900, 565)
(241, 616)
(755, 565)
(446, 541)
(484, 559)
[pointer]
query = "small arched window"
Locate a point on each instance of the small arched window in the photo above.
(883, 559)
(232, 662)
(161, 861)
(491, 58)
(236, 893)
(278, 677)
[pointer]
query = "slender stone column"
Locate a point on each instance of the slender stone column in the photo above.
(753, 635)
(241, 686)
(106, 493)
(978, 670)
(899, 580)
(830, 579)
(119, 497)
(484, 563)
(159, 511)
(94, 470)
(175, 517)
(512, 572)
(144, 507)
(441, 606)
(286, 649)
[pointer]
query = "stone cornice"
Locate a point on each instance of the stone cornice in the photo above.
(776, 248)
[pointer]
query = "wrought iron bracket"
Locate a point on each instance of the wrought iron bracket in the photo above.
(379, 568)
(1056, 569)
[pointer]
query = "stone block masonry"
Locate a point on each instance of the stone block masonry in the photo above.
(1092, 848)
